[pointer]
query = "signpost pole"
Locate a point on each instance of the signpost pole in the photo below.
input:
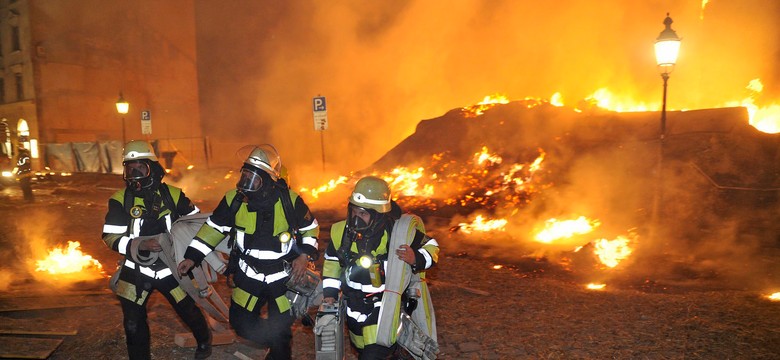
(320, 122)
(322, 142)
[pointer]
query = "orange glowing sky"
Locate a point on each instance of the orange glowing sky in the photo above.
(386, 65)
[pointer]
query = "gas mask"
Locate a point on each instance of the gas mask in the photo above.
(257, 186)
(365, 222)
(137, 175)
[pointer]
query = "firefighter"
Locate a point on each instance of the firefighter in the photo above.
(24, 173)
(147, 206)
(273, 236)
(356, 261)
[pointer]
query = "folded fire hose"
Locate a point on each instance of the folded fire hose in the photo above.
(416, 334)
(174, 244)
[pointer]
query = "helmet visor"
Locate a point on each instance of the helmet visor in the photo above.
(135, 170)
(249, 181)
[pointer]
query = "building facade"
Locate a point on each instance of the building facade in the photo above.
(64, 64)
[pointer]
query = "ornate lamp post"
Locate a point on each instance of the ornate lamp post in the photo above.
(667, 47)
(122, 107)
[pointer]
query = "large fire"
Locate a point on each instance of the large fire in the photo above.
(68, 261)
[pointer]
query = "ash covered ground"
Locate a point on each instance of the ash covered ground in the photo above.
(694, 285)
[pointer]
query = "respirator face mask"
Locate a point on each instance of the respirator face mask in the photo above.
(250, 180)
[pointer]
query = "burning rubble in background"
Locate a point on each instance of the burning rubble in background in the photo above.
(549, 181)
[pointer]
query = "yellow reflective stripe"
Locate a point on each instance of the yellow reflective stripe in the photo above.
(178, 294)
(119, 196)
(209, 235)
(369, 335)
(126, 290)
(244, 299)
(356, 340)
(331, 268)
(283, 303)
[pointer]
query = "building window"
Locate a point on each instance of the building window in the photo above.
(2, 91)
(15, 41)
(19, 87)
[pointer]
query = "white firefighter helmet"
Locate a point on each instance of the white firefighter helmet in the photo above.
(138, 150)
(371, 192)
(266, 158)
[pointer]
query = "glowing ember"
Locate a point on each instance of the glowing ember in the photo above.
(481, 224)
(557, 99)
(72, 260)
(593, 286)
(774, 297)
(489, 102)
(496, 267)
(611, 252)
(555, 229)
(485, 156)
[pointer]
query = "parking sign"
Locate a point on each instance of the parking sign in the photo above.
(320, 113)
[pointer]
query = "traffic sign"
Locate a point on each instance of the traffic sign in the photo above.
(146, 122)
(320, 113)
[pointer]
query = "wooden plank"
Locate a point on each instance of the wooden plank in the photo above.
(12, 347)
(38, 332)
(37, 326)
(52, 306)
(217, 338)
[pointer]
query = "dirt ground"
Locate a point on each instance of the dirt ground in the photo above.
(485, 308)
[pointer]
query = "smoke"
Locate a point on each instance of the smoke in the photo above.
(384, 65)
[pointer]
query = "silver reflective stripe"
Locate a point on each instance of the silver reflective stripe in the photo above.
(123, 242)
(360, 317)
(270, 255)
(149, 272)
(313, 225)
(200, 246)
(137, 227)
(168, 222)
(260, 276)
(365, 288)
(195, 211)
(328, 257)
(427, 256)
(331, 283)
(114, 229)
(222, 229)
(308, 240)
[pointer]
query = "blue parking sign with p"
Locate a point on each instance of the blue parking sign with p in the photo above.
(319, 103)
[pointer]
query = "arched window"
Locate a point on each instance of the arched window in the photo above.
(23, 132)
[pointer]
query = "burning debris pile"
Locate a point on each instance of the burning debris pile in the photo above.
(553, 182)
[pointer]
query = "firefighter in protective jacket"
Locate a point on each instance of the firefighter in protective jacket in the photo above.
(273, 236)
(24, 173)
(147, 206)
(356, 261)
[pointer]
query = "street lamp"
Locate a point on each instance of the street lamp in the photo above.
(667, 47)
(122, 107)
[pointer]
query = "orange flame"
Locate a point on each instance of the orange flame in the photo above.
(611, 252)
(774, 297)
(487, 103)
(593, 286)
(72, 260)
(329, 186)
(405, 182)
(555, 229)
(481, 224)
